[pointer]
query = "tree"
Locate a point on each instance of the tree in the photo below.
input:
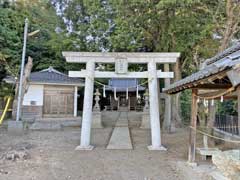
(88, 22)
(231, 23)
(184, 26)
(227, 27)
(146, 26)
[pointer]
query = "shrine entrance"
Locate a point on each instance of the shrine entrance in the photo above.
(121, 61)
(123, 101)
(124, 93)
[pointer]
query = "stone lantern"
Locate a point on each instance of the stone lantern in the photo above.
(145, 115)
(97, 115)
(97, 98)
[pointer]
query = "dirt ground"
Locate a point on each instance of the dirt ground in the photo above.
(52, 156)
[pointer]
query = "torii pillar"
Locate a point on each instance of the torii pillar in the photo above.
(154, 108)
(87, 108)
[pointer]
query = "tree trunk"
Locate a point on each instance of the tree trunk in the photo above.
(26, 74)
(176, 106)
(210, 122)
(160, 103)
(231, 26)
(167, 106)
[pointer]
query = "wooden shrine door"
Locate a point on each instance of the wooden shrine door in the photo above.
(58, 101)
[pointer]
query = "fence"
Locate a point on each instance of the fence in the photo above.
(227, 123)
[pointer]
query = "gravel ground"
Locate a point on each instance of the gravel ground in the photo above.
(52, 156)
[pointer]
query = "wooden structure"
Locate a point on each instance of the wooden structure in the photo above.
(50, 93)
(58, 101)
(126, 90)
(219, 78)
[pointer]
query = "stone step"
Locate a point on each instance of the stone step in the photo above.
(38, 125)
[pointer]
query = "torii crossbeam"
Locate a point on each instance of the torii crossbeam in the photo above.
(121, 61)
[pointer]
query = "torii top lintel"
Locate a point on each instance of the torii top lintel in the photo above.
(111, 57)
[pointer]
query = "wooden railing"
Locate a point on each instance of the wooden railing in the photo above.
(227, 123)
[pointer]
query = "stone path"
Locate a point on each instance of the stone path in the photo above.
(120, 138)
(122, 120)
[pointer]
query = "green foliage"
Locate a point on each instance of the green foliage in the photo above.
(45, 47)
(186, 26)
(227, 107)
(10, 41)
(6, 89)
(186, 106)
(109, 25)
(88, 22)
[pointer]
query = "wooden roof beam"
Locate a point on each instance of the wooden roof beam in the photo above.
(214, 86)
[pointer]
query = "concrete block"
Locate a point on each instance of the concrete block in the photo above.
(71, 123)
(97, 119)
(217, 175)
(84, 148)
(159, 148)
(46, 125)
(145, 121)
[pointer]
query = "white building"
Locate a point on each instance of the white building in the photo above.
(51, 94)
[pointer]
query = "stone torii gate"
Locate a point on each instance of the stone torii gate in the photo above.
(121, 61)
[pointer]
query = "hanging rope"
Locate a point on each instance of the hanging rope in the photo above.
(218, 95)
(115, 90)
(137, 93)
(115, 94)
(205, 102)
(215, 137)
(104, 91)
(102, 84)
(212, 103)
(221, 98)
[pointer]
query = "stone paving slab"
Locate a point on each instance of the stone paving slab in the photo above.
(120, 139)
(122, 120)
(122, 123)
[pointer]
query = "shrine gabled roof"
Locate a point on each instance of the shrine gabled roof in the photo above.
(224, 61)
(122, 84)
(52, 76)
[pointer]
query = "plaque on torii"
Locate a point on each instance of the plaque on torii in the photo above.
(121, 61)
(121, 66)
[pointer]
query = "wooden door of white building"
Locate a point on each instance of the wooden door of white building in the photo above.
(58, 101)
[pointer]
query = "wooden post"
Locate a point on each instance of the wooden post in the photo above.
(192, 135)
(238, 102)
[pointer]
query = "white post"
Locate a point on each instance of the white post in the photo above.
(87, 108)
(75, 101)
(154, 108)
(19, 102)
